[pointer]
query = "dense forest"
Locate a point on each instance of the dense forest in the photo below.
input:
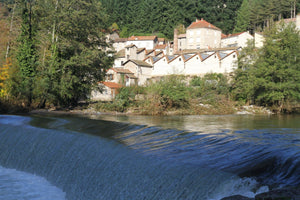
(161, 16)
(52, 51)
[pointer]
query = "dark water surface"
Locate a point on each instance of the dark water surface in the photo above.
(142, 157)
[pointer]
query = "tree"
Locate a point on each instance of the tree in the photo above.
(243, 18)
(278, 68)
(26, 55)
(79, 58)
(272, 77)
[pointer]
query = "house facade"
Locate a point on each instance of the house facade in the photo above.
(236, 40)
(107, 91)
(148, 42)
(203, 35)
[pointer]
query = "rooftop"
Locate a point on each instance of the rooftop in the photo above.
(139, 62)
(122, 70)
(133, 38)
(202, 24)
(112, 85)
(233, 35)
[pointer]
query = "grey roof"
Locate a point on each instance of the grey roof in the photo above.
(155, 58)
(171, 57)
(204, 55)
(222, 55)
(187, 56)
(139, 63)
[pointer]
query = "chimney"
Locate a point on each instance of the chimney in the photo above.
(175, 47)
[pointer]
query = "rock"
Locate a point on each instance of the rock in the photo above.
(291, 193)
(237, 197)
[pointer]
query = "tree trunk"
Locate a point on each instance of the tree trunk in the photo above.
(10, 31)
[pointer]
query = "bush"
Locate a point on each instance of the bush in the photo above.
(171, 92)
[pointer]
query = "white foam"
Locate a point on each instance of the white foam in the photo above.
(247, 187)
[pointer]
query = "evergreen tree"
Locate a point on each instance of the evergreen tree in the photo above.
(272, 77)
(243, 18)
(26, 55)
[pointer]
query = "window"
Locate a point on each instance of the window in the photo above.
(179, 59)
(233, 56)
(110, 77)
(127, 57)
(122, 62)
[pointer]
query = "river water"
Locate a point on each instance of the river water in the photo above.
(142, 157)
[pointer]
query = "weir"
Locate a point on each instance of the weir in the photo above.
(153, 164)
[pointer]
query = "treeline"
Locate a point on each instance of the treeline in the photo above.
(51, 51)
(161, 16)
(257, 15)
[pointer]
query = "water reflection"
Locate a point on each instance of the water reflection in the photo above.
(209, 124)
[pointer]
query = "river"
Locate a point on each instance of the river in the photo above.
(56, 157)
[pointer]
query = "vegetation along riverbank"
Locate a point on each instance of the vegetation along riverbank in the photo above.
(54, 56)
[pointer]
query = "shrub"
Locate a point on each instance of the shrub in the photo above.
(171, 92)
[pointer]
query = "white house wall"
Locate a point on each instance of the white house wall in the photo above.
(145, 73)
(194, 66)
(229, 63)
(148, 44)
(162, 68)
(119, 61)
(177, 66)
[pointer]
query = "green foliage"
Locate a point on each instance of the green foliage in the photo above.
(243, 18)
(161, 16)
(210, 85)
(75, 62)
(264, 12)
(170, 92)
(26, 56)
(272, 78)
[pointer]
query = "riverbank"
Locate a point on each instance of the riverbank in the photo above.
(202, 109)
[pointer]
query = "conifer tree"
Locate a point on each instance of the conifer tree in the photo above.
(243, 18)
(26, 55)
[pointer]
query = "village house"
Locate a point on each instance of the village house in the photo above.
(119, 44)
(236, 40)
(259, 39)
(199, 35)
(107, 91)
(148, 42)
(295, 20)
(141, 70)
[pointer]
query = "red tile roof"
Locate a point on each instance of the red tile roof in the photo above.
(121, 40)
(133, 38)
(202, 24)
(160, 46)
(161, 39)
(223, 35)
(233, 35)
(112, 85)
